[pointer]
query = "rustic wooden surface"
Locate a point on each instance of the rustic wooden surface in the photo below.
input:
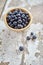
(2, 3)
(36, 11)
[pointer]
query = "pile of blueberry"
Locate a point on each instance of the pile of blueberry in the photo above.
(18, 19)
(32, 36)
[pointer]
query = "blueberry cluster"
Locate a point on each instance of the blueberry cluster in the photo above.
(18, 19)
(32, 36)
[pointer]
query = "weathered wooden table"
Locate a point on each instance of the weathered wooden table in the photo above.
(10, 40)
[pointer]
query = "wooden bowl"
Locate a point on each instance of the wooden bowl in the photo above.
(18, 30)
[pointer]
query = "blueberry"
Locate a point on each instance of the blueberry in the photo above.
(11, 25)
(23, 15)
(15, 18)
(32, 33)
(11, 20)
(34, 37)
(15, 12)
(18, 15)
(28, 19)
(18, 10)
(10, 13)
(27, 16)
(19, 18)
(24, 25)
(28, 38)
(8, 17)
(7, 20)
(21, 12)
(14, 23)
(24, 20)
(21, 48)
(19, 26)
(19, 21)
(16, 27)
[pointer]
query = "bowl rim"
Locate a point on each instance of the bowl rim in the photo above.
(22, 29)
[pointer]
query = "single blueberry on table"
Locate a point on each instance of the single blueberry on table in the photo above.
(28, 38)
(21, 48)
(34, 37)
(32, 33)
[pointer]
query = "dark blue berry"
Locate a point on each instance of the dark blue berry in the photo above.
(19, 26)
(15, 12)
(14, 23)
(19, 18)
(11, 25)
(21, 48)
(8, 17)
(23, 15)
(15, 18)
(24, 20)
(27, 15)
(18, 15)
(28, 38)
(34, 37)
(10, 13)
(28, 19)
(18, 10)
(32, 33)
(11, 20)
(23, 24)
(16, 27)
(19, 21)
